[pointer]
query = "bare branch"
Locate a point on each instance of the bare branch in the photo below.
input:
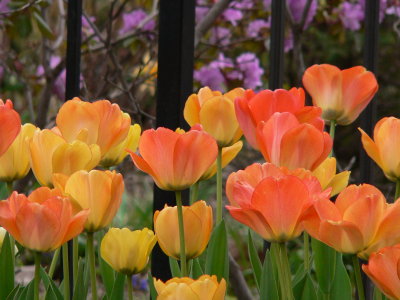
(237, 280)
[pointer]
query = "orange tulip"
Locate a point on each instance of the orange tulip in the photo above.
(342, 94)
(216, 113)
(206, 287)
(43, 221)
(10, 125)
(100, 123)
(253, 108)
(175, 160)
(385, 148)
(383, 270)
(99, 191)
(359, 222)
(284, 141)
(197, 222)
(272, 200)
(50, 153)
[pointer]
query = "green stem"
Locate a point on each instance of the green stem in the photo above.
(357, 273)
(54, 261)
(219, 186)
(10, 187)
(66, 271)
(92, 265)
(306, 245)
(36, 282)
(397, 193)
(194, 192)
(178, 195)
(130, 289)
(286, 271)
(377, 294)
(276, 250)
(75, 257)
(332, 134)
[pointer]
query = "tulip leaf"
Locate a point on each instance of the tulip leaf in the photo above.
(79, 288)
(254, 260)
(341, 289)
(217, 262)
(107, 274)
(378, 295)
(27, 292)
(325, 265)
(15, 293)
(50, 286)
(305, 289)
(118, 288)
(299, 275)
(174, 266)
(153, 291)
(7, 268)
(268, 282)
(197, 271)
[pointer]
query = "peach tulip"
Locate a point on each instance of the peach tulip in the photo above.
(175, 160)
(206, 287)
(284, 141)
(272, 200)
(383, 270)
(50, 153)
(197, 222)
(385, 148)
(100, 123)
(43, 221)
(253, 108)
(14, 163)
(359, 222)
(216, 113)
(99, 191)
(10, 125)
(341, 94)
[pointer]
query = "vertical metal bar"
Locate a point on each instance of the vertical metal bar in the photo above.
(277, 44)
(174, 85)
(73, 67)
(368, 117)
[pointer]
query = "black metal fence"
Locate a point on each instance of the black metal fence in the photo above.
(175, 74)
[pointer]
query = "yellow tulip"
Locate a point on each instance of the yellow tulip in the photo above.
(327, 177)
(117, 153)
(127, 251)
(50, 153)
(198, 223)
(100, 191)
(206, 287)
(14, 163)
(2, 236)
(216, 113)
(228, 154)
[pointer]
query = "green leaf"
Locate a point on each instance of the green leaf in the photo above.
(174, 266)
(153, 291)
(79, 288)
(27, 292)
(254, 260)
(341, 289)
(107, 274)
(299, 275)
(217, 262)
(22, 25)
(305, 289)
(15, 293)
(197, 271)
(50, 286)
(268, 282)
(6, 268)
(378, 295)
(43, 26)
(118, 288)
(325, 265)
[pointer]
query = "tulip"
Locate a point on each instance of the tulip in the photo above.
(127, 251)
(359, 222)
(198, 223)
(341, 94)
(50, 153)
(10, 125)
(100, 123)
(272, 200)
(383, 270)
(14, 163)
(175, 160)
(284, 141)
(43, 221)
(253, 108)
(385, 147)
(216, 113)
(326, 174)
(99, 191)
(117, 153)
(206, 287)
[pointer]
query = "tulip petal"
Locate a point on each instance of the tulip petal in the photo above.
(191, 111)
(10, 125)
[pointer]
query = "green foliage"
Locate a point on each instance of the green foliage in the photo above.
(254, 260)
(6, 268)
(268, 280)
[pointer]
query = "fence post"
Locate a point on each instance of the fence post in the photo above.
(174, 85)
(276, 44)
(72, 87)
